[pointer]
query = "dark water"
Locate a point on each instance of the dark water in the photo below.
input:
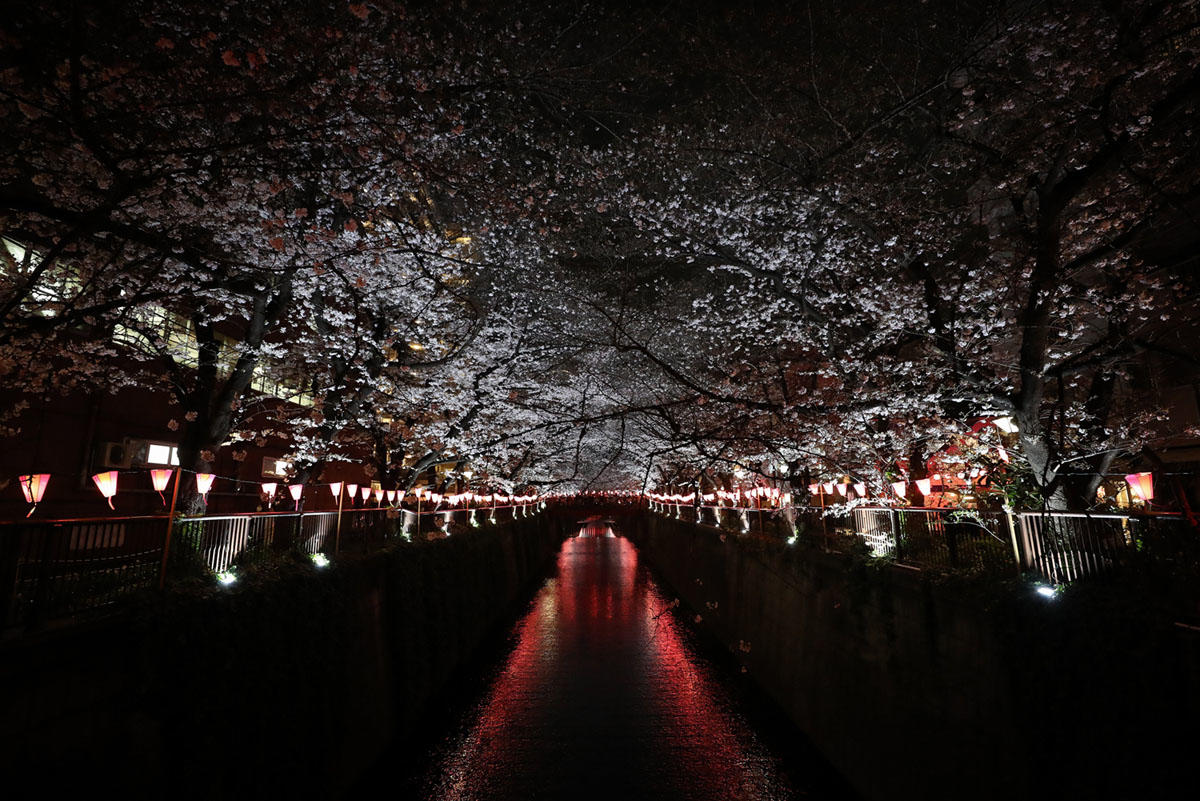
(604, 694)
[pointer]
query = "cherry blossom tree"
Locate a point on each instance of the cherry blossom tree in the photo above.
(579, 246)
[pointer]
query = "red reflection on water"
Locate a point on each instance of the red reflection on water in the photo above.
(603, 696)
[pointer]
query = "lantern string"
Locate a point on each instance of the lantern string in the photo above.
(400, 494)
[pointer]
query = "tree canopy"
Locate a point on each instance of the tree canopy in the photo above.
(585, 245)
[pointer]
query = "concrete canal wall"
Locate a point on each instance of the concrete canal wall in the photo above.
(916, 686)
(288, 684)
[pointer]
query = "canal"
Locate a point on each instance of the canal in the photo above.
(604, 692)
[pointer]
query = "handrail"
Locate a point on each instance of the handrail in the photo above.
(35, 521)
(60, 520)
(1058, 546)
(941, 509)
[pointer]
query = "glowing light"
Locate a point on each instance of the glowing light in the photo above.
(391, 496)
(815, 489)
(226, 577)
(33, 487)
(841, 489)
(828, 487)
(900, 488)
(336, 489)
(366, 493)
(107, 484)
(924, 486)
(351, 490)
(296, 490)
(861, 489)
(269, 488)
(1005, 424)
(1046, 592)
(160, 478)
(378, 495)
(320, 560)
(204, 482)
(1142, 485)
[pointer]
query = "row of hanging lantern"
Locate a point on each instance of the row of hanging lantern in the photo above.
(1141, 486)
(466, 498)
(365, 492)
(843, 489)
(33, 487)
(672, 499)
(394, 497)
(760, 496)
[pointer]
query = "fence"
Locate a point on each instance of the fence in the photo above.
(1057, 547)
(60, 569)
(958, 540)
(1065, 547)
(71, 567)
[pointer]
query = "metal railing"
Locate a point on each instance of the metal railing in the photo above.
(60, 569)
(958, 539)
(1056, 547)
(221, 541)
(71, 567)
(1065, 547)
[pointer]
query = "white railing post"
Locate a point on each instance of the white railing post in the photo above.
(893, 520)
(1016, 546)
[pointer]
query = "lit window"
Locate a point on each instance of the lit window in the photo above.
(275, 468)
(160, 453)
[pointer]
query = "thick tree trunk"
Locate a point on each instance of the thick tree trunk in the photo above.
(1039, 454)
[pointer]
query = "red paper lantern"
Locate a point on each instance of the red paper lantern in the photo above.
(204, 482)
(1142, 485)
(336, 489)
(107, 484)
(160, 479)
(33, 487)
